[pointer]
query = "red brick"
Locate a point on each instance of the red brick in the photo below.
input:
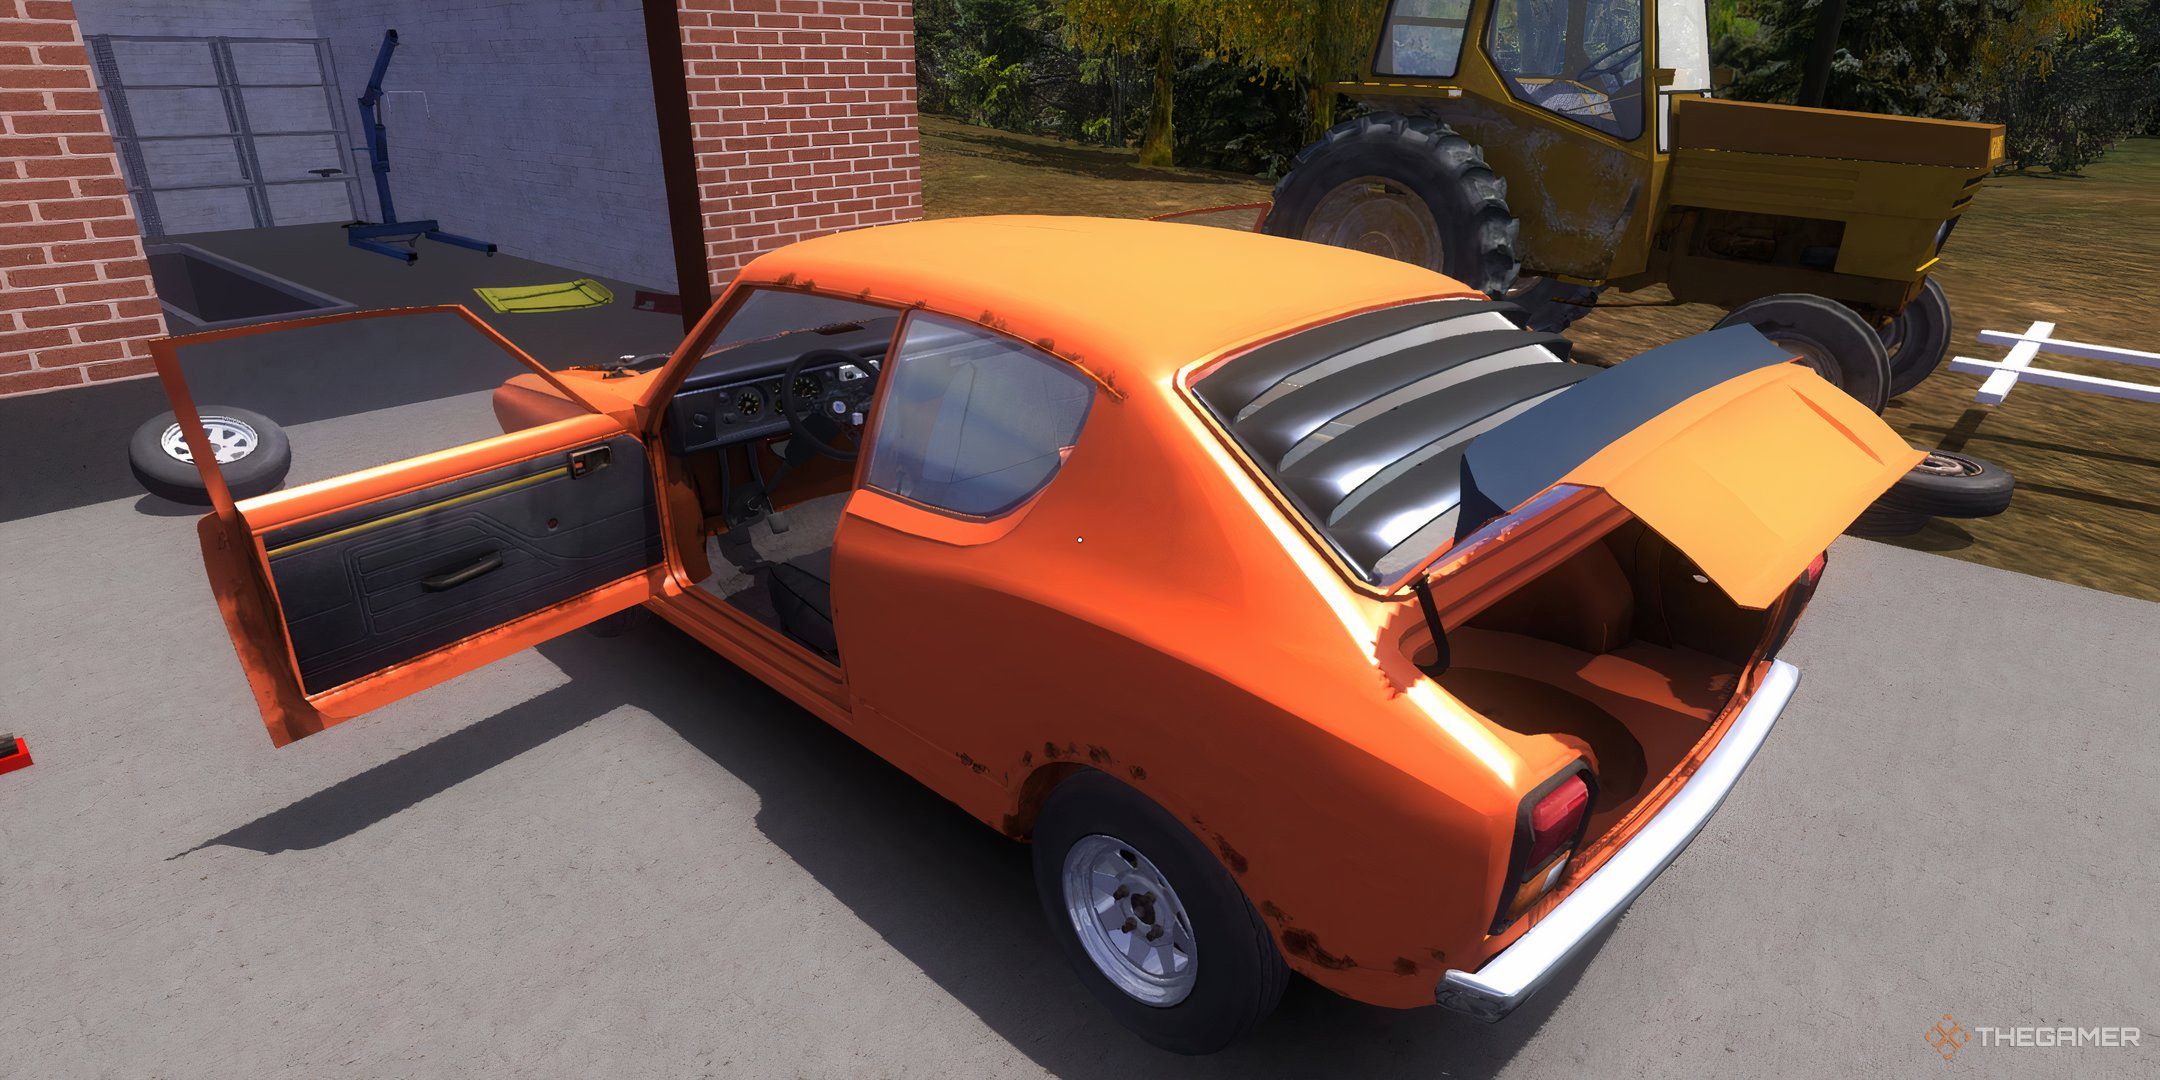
(14, 213)
(19, 299)
(129, 309)
(25, 190)
(149, 327)
(29, 147)
(103, 290)
(82, 209)
(74, 315)
(77, 101)
(34, 276)
(74, 355)
(44, 78)
(133, 267)
(32, 339)
(94, 251)
(114, 227)
(50, 232)
(15, 56)
(22, 30)
(100, 187)
(39, 380)
(121, 369)
(9, 365)
(24, 256)
(63, 55)
(89, 144)
(87, 166)
(59, 124)
(50, 9)
(22, 101)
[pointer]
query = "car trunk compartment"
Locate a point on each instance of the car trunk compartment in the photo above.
(1621, 648)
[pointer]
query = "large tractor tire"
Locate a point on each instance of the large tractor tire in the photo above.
(1918, 338)
(1825, 335)
(1406, 187)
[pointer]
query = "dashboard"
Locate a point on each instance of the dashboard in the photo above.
(734, 395)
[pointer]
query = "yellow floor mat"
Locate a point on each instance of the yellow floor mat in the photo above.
(563, 296)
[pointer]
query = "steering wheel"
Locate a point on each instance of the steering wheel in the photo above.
(809, 420)
(1603, 62)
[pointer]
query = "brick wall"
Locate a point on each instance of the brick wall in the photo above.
(77, 305)
(803, 115)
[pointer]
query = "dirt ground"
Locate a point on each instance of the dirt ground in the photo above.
(2082, 252)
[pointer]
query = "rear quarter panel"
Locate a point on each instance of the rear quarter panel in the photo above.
(1141, 619)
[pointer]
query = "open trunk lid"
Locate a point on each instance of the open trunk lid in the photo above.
(1748, 464)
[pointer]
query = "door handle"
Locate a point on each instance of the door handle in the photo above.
(491, 561)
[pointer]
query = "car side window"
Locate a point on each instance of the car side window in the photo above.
(973, 422)
(1423, 39)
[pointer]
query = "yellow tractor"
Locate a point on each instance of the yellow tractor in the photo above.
(1549, 150)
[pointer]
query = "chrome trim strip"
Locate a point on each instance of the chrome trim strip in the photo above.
(1507, 980)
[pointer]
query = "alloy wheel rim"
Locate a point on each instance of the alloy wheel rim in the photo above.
(1130, 921)
(230, 440)
(1379, 217)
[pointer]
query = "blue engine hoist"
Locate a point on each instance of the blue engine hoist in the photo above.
(371, 236)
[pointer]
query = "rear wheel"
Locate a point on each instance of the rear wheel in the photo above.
(1150, 920)
(1405, 187)
(1917, 339)
(1826, 336)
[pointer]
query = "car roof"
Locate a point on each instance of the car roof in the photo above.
(1128, 300)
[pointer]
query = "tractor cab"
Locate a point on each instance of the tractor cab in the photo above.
(1550, 150)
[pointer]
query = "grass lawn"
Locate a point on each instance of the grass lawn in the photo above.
(2081, 252)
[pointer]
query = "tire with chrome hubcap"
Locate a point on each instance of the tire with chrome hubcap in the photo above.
(1153, 923)
(253, 455)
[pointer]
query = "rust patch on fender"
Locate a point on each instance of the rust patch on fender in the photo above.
(1027, 758)
(1137, 772)
(1230, 856)
(980, 768)
(1405, 966)
(1272, 911)
(1304, 945)
(1050, 751)
(1099, 756)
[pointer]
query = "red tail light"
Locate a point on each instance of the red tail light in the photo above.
(1556, 819)
(1815, 569)
(1551, 822)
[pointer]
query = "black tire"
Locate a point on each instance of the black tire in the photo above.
(260, 471)
(1828, 336)
(1918, 338)
(1471, 233)
(1953, 485)
(1552, 305)
(1240, 975)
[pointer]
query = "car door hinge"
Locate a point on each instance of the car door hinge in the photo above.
(589, 459)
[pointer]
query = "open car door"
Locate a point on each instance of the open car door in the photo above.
(349, 593)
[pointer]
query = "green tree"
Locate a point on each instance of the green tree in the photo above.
(1156, 29)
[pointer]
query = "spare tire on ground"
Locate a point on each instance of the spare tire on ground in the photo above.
(253, 455)
(1946, 484)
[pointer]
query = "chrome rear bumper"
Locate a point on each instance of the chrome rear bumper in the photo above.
(1508, 979)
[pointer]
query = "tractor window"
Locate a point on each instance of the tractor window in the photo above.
(1423, 39)
(1683, 44)
(1579, 58)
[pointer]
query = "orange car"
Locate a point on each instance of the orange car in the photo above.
(1304, 611)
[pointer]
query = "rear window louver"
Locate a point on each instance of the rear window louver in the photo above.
(1361, 422)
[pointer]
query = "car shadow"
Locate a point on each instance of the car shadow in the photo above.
(901, 858)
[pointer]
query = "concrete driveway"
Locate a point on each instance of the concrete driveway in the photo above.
(623, 857)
